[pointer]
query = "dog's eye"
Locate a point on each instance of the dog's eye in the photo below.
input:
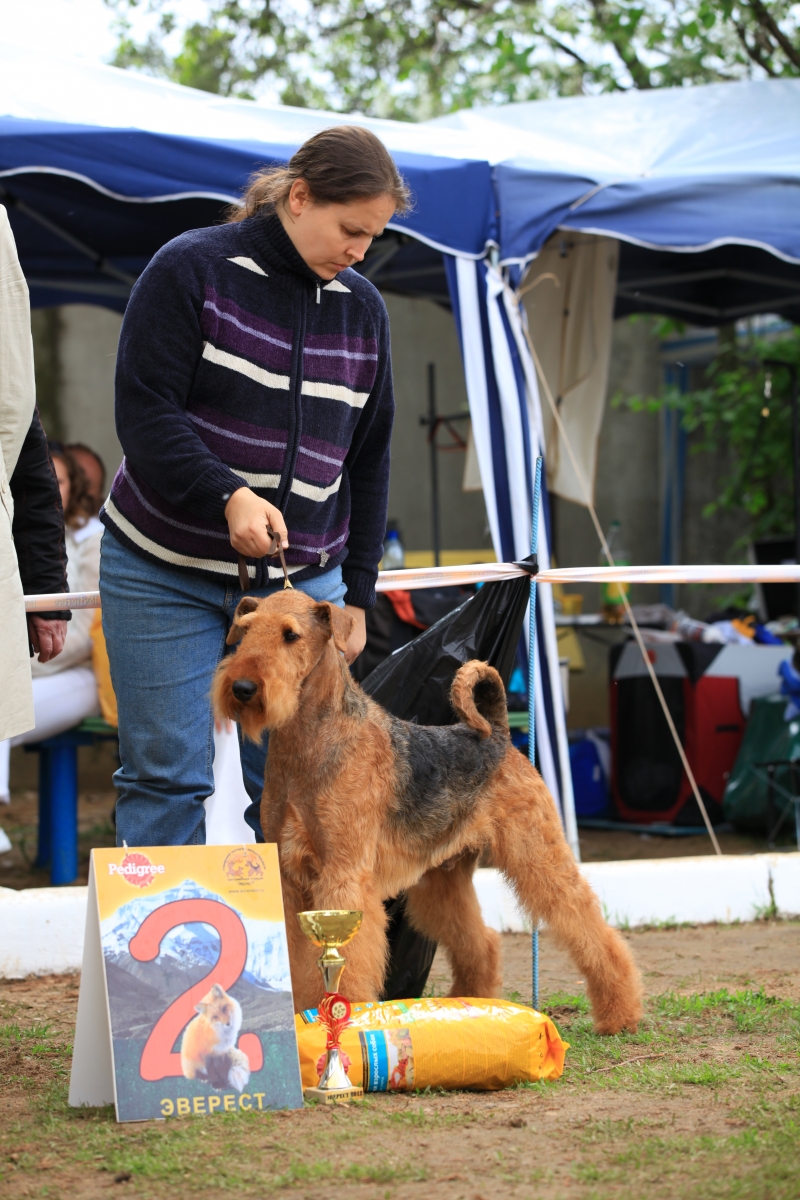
(289, 635)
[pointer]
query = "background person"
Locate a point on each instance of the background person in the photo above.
(64, 687)
(253, 388)
(94, 469)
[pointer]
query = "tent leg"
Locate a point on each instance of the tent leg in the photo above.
(537, 490)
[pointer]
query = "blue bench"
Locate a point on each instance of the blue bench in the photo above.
(58, 796)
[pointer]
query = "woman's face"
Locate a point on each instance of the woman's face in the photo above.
(62, 475)
(331, 237)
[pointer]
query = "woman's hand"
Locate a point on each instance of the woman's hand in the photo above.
(248, 517)
(358, 637)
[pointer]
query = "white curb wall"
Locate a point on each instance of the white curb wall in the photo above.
(42, 928)
(698, 890)
(41, 931)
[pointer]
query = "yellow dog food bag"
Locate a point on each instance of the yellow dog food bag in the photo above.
(450, 1043)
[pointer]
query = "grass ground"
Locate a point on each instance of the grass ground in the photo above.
(703, 1101)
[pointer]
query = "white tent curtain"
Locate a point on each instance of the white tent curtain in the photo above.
(569, 293)
(508, 435)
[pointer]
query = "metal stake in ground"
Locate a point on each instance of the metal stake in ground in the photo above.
(537, 491)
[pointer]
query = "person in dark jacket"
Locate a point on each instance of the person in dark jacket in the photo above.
(253, 394)
(38, 531)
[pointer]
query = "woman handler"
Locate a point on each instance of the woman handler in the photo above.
(253, 389)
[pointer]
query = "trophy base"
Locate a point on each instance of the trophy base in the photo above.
(318, 1095)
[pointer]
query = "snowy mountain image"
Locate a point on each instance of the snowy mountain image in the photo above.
(195, 948)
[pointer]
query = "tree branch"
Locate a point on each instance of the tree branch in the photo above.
(549, 37)
(768, 22)
(754, 52)
(623, 46)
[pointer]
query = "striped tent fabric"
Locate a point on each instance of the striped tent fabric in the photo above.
(508, 433)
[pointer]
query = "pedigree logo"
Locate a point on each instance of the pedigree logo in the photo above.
(136, 869)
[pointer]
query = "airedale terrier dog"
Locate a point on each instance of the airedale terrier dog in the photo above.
(364, 806)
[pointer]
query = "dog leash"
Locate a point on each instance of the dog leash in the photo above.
(244, 576)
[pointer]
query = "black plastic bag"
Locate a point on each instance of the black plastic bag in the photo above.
(414, 684)
(388, 630)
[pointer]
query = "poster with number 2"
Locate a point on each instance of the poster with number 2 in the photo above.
(185, 1004)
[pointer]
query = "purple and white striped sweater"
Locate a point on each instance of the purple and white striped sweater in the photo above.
(237, 366)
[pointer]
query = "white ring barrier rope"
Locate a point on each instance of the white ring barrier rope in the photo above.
(423, 577)
(57, 601)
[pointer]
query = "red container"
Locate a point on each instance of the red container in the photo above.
(648, 781)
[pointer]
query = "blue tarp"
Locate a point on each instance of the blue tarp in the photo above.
(681, 169)
(452, 196)
(123, 163)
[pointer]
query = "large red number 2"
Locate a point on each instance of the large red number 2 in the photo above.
(159, 1060)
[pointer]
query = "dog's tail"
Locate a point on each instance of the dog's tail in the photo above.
(479, 698)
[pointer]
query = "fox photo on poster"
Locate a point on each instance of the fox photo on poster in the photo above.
(185, 1004)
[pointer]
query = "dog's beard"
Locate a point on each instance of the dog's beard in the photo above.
(271, 707)
(280, 703)
(251, 718)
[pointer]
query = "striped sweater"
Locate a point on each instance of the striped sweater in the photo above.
(238, 366)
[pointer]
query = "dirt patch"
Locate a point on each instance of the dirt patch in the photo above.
(612, 845)
(703, 1101)
(702, 958)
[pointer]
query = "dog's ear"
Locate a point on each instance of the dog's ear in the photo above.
(338, 623)
(241, 619)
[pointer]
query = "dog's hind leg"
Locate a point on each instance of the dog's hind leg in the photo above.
(444, 906)
(529, 847)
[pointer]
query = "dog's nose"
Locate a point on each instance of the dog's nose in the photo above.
(244, 689)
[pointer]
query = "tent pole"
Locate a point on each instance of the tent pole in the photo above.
(99, 261)
(537, 491)
(433, 429)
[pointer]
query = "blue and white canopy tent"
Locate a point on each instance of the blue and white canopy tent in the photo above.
(99, 168)
(681, 202)
(120, 163)
(701, 189)
(679, 170)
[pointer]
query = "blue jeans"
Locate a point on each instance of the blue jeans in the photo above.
(165, 630)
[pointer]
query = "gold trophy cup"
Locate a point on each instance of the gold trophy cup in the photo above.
(330, 929)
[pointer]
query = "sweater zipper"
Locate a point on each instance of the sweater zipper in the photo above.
(318, 292)
(295, 394)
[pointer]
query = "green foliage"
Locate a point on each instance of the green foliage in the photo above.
(564, 1002)
(413, 59)
(749, 1011)
(732, 414)
(236, 46)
